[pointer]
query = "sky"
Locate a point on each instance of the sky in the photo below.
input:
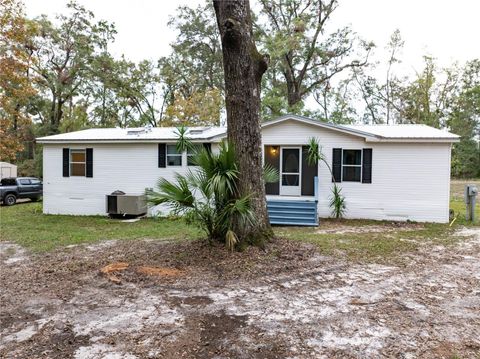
(445, 29)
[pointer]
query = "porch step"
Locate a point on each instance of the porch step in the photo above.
(294, 213)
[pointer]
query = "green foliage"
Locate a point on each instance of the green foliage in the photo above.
(337, 202)
(208, 195)
(303, 50)
(62, 54)
(183, 142)
(314, 152)
(315, 155)
(270, 173)
(194, 70)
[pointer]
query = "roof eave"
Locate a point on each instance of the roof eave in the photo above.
(415, 140)
(127, 140)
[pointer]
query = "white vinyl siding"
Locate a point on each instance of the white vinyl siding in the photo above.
(131, 168)
(410, 181)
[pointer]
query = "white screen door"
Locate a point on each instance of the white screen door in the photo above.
(290, 171)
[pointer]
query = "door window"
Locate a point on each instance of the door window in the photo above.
(291, 167)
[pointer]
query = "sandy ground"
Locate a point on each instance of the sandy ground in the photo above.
(286, 302)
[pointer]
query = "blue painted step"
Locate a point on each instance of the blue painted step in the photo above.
(295, 213)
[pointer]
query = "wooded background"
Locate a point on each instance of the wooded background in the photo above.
(57, 75)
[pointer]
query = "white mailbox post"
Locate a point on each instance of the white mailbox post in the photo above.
(471, 192)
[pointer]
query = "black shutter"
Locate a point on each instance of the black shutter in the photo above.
(272, 157)
(337, 165)
(367, 166)
(89, 170)
(162, 155)
(208, 147)
(308, 174)
(66, 162)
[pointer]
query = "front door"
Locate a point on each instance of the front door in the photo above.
(290, 180)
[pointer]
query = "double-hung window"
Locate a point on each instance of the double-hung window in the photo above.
(174, 158)
(352, 165)
(77, 162)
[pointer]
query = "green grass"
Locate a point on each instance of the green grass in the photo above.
(25, 225)
(386, 245)
(372, 246)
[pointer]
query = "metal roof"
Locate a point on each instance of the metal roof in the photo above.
(371, 133)
(134, 134)
(404, 131)
(379, 133)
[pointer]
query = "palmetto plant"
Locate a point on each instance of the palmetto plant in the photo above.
(183, 142)
(337, 200)
(208, 195)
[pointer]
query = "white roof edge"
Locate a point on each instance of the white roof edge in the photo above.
(417, 139)
(371, 133)
(369, 136)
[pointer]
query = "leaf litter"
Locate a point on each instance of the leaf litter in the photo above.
(195, 301)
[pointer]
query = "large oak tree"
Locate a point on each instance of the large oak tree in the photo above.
(243, 68)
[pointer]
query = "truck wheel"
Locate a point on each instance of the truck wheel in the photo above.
(10, 199)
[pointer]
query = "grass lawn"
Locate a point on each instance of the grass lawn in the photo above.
(379, 240)
(25, 225)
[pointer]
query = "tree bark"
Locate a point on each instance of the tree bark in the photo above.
(244, 66)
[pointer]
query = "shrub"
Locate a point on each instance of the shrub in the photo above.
(208, 195)
(337, 200)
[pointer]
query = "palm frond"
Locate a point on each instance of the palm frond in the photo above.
(177, 195)
(314, 152)
(207, 195)
(270, 174)
(183, 142)
(337, 202)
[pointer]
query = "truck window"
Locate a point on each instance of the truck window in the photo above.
(24, 181)
(8, 182)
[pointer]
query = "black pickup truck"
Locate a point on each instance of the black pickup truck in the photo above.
(21, 187)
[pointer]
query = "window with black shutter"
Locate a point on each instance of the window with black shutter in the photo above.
(367, 166)
(78, 162)
(66, 162)
(351, 165)
(337, 165)
(162, 155)
(89, 170)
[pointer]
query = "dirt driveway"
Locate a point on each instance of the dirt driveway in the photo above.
(286, 302)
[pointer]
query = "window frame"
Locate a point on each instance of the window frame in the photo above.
(358, 166)
(177, 154)
(198, 147)
(71, 162)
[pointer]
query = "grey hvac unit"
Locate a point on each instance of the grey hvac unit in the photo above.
(120, 203)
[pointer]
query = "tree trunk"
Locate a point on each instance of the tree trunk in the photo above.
(244, 67)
